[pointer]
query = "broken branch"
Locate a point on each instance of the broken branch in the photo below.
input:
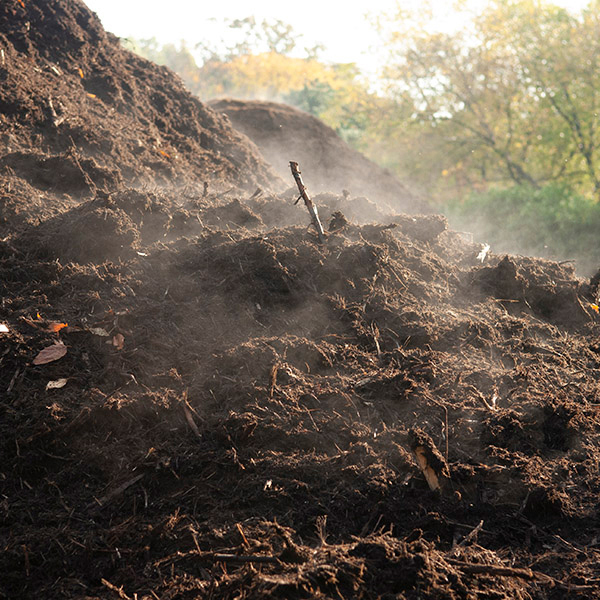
(312, 209)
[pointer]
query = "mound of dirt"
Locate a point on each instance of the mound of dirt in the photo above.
(199, 400)
(79, 113)
(284, 133)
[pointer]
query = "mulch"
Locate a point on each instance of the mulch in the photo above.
(243, 412)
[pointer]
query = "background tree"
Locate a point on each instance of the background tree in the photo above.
(511, 96)
(265, 60)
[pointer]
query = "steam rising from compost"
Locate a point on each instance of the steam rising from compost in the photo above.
(237, 393)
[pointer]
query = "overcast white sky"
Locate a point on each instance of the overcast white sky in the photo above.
(341, 25)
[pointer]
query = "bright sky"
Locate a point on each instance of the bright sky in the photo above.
(341, 25)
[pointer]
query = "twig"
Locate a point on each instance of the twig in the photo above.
(12, 381)
(115, 589)
(519, 573)
(244, 558)
(446, 432)
(102, 502)
(187, 410)
(584, 309)
(466, 539)
(190, 420)
(312, 209)
(88, 180)
(273, 379)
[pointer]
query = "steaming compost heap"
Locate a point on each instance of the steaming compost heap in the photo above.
(282, 131)
(201, 401)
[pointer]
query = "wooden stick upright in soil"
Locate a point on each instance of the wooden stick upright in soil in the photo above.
(312, 209)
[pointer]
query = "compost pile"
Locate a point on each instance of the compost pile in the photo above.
(199, 400)
(281, 131)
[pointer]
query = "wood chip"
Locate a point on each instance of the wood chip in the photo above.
(430, 474)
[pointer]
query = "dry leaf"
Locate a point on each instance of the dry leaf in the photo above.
(56, 384)
(50, 354)
(39, 323)
(3, 328)
(99, 331)
(118, 341)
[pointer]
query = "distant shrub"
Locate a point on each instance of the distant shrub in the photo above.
(552, 221)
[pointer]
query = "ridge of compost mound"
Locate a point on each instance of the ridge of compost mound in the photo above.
(284, 133)
(80, 113)
(199, 400)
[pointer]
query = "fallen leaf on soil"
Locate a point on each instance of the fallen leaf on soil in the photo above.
(56, 384)
(3, 328)
(39, 323)
(118, 341)
(99, 331)
(50, 354)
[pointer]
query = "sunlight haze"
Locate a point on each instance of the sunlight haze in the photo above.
(346, 30)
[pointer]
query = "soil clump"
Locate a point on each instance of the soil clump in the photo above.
(199, 400)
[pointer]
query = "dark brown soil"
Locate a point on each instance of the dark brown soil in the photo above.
(79, 113)
(242, 408)
(284, 133)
